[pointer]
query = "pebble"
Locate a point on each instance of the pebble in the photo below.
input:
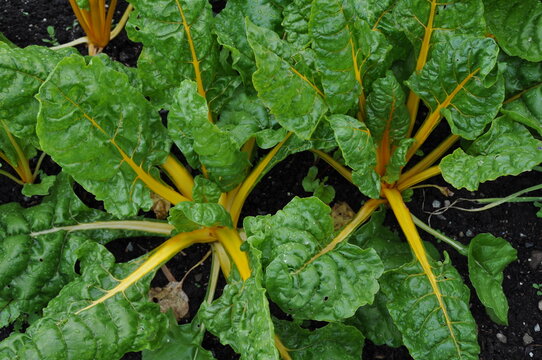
(537, 328)
(527, 339)
(436, 204)
(447, 203)
(501, 337)
(540, 305)
(129, 247)
(469, 233)
(529, 245)
(536, 259)
(461, 234)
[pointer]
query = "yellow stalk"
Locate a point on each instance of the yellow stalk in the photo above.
(430, 159)
(81, 18)
(22, 162)
(180, 176)
(409, 229)
(346, 173)
(230, 239)
(283, 350)
(434, 118)
(13, 166)
(225, 263)
(251, 180)
(418, 178)
(304, 78)
(362, 215)
(357, 74)
(122, 22)
(158, 257)
(134, 225)
(413, 101)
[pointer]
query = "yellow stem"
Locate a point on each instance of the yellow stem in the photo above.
(225, 263)
(230, 239)
(180, 176)
(409, 229)
(22, 162)
(362, 215)
(418, 178)
(158, 257)
(251, 180)
(413, 101)
(122, 22)
(346, 173)
(283, 350)
(154, 227)
(13, 166)
(430, 159)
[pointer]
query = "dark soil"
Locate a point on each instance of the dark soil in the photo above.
(25, 22)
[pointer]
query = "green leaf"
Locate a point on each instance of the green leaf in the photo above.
(39, 189)
(304, 279)
(527, 109)
(386, 110)
(507, 148)
(204, 142)
(172, 53)
(221, 91)
(8, 141)
(358, 150)
(205, 190)
(375, 322)
(459, 83)
(412, 304)
(519, 75)
(35, 260)
(5, 40)
(318, 187)
(22, 72)
(125, 323)
(293, 99)
(182, 342)
(449, 19)
(333, 341)
(231, 32)
(296, 16)
(241, 316)
(488, 256)
(516, 25)
(397, 161)
(102, 132)
(189, 216)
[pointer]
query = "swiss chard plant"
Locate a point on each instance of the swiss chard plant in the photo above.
(362, 84)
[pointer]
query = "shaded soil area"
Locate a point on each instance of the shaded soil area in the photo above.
(25, 22)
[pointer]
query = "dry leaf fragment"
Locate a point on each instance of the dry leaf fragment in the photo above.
(160, 206)
(342, 214)
(171, 297)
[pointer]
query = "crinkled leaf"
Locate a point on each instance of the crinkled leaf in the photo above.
(296, 23)
(449, 19)
(125, 323)
(293, 99)
(241, 316)
(459, 83)
(358, 150)
(386, 110)
(527, 109)
(333, 341)
(42, 188)
(36, 258)
(22, 71)
(188, 216)
(102, 132)
(519, 74)
(397, 161)
(221, 91)
(301, 278)
(205, 190)
(178, 44)
(488, 256)
(5, 40)
(203, 141)
(516, 25)
(182, 342)
(507, 148)
(231, 32)
(412, 304)
(375, 322)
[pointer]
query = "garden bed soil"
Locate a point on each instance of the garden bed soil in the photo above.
(25, 23)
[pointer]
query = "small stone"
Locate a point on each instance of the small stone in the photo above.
(527, 339)
(501, 338)
(536, 259)
(129, 247)
(461, 234)
(436, 204)
(537, 328)
(531, 354)
(198, 277)
(447, 203)
(469, 233)
(529, 245)
(540, 305)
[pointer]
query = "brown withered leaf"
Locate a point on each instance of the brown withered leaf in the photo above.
(171, 297)
(342, 214)
(160, 206)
